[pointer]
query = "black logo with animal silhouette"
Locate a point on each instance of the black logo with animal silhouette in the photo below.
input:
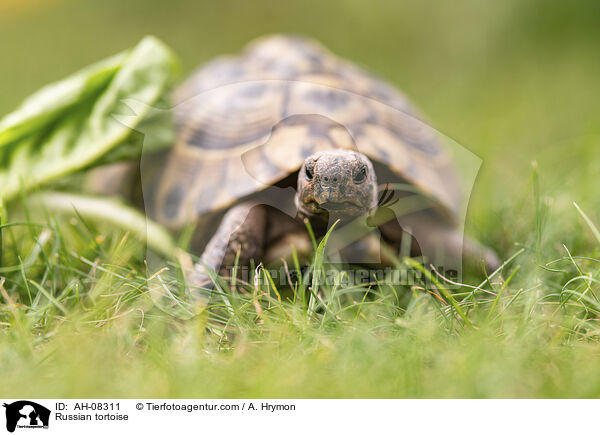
(26, 414)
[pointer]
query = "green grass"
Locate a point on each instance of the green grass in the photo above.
(514, 82)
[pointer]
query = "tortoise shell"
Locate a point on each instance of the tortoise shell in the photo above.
(246, 122)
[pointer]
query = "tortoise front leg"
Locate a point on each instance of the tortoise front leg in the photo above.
(241, 232)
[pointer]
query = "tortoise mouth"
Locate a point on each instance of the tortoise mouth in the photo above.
(349, 208)
(339, 206)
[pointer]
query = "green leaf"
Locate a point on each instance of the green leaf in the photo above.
(50, 102)
(75, 123)
(111, 211)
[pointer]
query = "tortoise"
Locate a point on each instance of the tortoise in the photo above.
(287, 133)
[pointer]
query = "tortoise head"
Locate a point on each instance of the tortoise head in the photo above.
(340, 183)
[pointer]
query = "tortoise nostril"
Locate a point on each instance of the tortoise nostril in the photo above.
(335, 179)
(326, 178)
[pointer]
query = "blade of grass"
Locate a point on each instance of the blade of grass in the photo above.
(318, 265)
(538, 211)
(589, 222)
(414, 264)
(504, 285)
(51, 298)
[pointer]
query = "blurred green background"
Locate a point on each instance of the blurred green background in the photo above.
(512, 81)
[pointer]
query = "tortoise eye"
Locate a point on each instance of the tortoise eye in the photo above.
(361, 175)
(308, 171)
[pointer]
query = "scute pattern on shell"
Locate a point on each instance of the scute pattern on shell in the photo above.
(248, 121)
